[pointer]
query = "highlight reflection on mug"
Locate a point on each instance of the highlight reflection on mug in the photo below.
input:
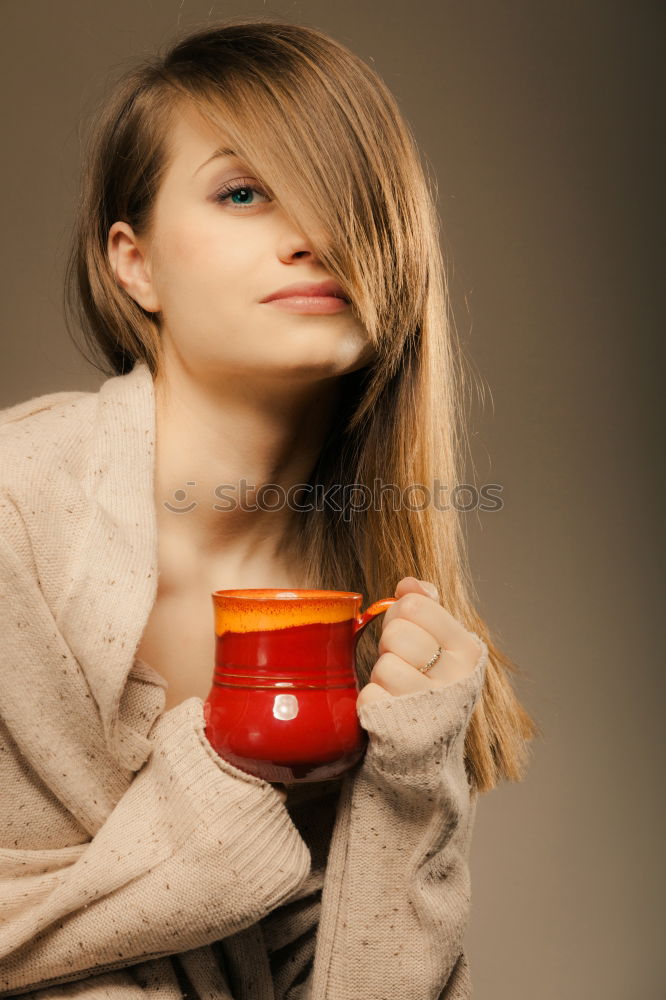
(180, 495)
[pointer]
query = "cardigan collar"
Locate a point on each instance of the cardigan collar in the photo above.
(115, 583)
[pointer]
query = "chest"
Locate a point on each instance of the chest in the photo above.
(179, 643)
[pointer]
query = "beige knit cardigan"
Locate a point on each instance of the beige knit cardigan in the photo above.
(134, 862)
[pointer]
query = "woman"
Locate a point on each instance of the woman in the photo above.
(255, 156)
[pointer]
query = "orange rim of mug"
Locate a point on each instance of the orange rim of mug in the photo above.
(248, 610)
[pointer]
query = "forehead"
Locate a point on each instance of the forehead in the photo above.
(191, 140)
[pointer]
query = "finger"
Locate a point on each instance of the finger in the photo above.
(407, 640)
(371, 693)
(410, 583)
(417, 647)
(397, 676)
(449, 633)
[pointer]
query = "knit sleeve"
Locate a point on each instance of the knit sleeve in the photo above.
(396, 898)
(195, 850)
(190, 850)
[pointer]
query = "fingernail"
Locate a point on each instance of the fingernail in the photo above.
(430, 588)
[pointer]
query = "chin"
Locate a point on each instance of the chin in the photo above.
(341, 359)
(312, 371)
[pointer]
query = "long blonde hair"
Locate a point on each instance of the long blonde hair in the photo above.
(323, 133)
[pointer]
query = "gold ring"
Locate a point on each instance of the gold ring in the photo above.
(431, 662)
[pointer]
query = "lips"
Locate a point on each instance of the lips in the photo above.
(309, 289)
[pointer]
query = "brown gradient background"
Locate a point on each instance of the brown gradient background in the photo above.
(538, 120)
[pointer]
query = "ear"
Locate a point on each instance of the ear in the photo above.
(131, 266)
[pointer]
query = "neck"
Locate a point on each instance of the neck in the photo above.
(213, 437)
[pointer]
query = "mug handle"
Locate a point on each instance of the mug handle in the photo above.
(378, 608)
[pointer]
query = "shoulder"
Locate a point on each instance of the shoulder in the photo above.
(37, 433)
(49, 414)
(27, 408)
(62, 455)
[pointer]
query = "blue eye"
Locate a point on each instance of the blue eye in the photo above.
(243, 190)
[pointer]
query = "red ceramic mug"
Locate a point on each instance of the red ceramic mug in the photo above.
(282, 705)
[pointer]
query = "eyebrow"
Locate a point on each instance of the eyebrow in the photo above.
(223, 151)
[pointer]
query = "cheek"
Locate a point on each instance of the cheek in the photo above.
(204, 261)
(188, 241)
(185, 249)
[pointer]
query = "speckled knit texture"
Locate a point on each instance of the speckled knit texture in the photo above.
(134, 862)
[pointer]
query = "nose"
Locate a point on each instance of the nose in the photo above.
(294, 248)
(294, 245)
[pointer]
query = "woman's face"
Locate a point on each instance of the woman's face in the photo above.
(210, 259)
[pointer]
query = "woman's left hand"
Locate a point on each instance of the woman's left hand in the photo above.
(412, 630)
